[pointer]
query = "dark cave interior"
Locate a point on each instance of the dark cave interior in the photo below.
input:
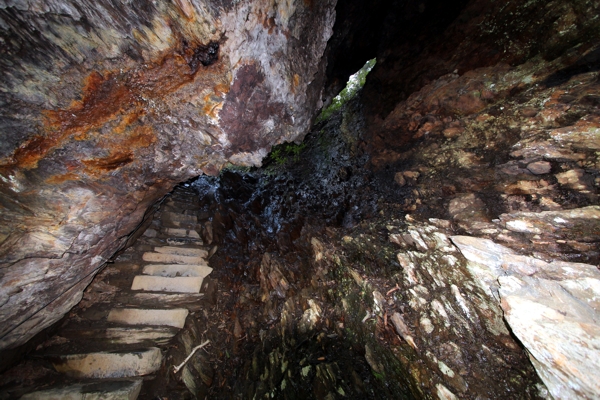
(420, 242)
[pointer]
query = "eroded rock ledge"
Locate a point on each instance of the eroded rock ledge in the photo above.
(106, 106)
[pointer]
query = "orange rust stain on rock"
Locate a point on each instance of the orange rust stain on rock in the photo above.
(114, 161)
(121, 151)
(58, 179)
(221, 89)
(105, 96)
(187, 9)
(127, 121)
(295, 82)
(269, 23)
(141, 137)
(30, 152)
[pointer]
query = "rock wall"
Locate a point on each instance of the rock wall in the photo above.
(106, 105)
(493, 132)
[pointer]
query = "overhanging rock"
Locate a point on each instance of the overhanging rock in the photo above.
(106, 105)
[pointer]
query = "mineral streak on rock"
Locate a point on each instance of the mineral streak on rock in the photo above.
(249, 111)
(105, 106)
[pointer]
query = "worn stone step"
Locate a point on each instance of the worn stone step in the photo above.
(179, 207)
(121, 335)
(173, 258)
(185, 192)
(188, 284)
(193, 195)
(168, 224)
(180, 210)
(190, 301)
(103, 390)
(181, 233)
(139, 316)
(173, 241)
(179, 217)
(183, 203)
(181, 251)
(174, 270)
(109, 364)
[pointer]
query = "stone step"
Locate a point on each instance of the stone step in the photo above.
(104, 365)
(183, 198)
(121, 335)
(104, 390)
(179, 207)
(181, 203)
(191, 301)
(181, 233)
(188, 284)
(168, 224)
(181, 251)
(179, 217)
(184, 192)
(175, 270)
(139, 316)
(186, 195)
(172, 258)
(184, 241)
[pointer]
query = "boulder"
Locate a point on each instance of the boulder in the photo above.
(552, 307)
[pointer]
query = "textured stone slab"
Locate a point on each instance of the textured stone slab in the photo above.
(558, 324)
(181, 251)
(165, 284)
(174, 270)
(138, 316)
(182, 233)
(190, 301)
(110, 390)
(168, 224)
(173, 259)
(174, 241)
(576, 224)
(122, 335)
(110, 364)
(552, 307)
(179, 217)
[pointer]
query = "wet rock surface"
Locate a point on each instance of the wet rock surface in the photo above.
(321, 305)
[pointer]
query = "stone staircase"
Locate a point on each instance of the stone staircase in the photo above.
(116, 339)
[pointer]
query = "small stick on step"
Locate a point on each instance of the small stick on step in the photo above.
(392, 290)
(177, 368)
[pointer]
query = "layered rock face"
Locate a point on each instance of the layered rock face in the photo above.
(106, 105)
(494, 129)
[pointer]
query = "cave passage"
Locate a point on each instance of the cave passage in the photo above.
(360, 199)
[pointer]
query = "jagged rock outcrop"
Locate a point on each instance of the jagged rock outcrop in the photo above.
(499, 132)
(551, 307)
(106, 105)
